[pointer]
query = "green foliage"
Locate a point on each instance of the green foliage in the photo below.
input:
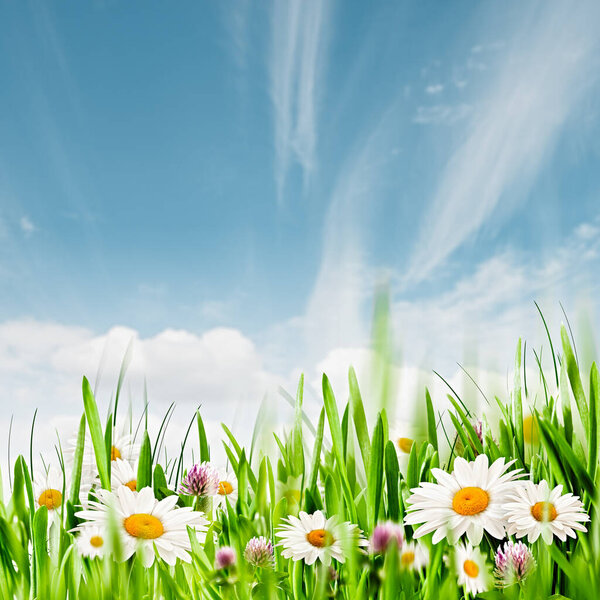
(346, 467)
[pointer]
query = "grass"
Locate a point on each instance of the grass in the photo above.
(341, 465)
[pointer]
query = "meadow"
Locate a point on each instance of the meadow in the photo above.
(462, 506)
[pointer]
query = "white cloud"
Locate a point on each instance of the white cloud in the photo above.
(434, 89)
(296, 61)
(476, 322)
(512, 133)
(483, 314)
(27, 225)
(41, 366)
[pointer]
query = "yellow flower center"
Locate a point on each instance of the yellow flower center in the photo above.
(132, 485)
(543, 511)
(143, 525)
(470, 501)
(405, 444)
(530, 430)
(96, 541)
(50, 498)
(408, 558)
(470, 568)
(225, 488)
(114, 453)
(319, 538)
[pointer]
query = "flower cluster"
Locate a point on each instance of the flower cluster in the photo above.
(143, 524)
(457, 516)
(205, 480)
(477, 497)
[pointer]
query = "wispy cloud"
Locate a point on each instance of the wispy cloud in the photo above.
(435, 88)
(485, 311)
(514, 131)
(344, 283)
(235, 18)
(27, 226)
(297, 58)
(442, 114)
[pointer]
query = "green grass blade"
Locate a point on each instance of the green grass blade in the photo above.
(575, 380)
(518, 406)
(431, 421)
(204, 448)
(144, 472)
(391, 478)
(77, 464)
(93, 419)
(375, 473)
(360, 419)
(333, 419)
(316, 457)
(594, 410)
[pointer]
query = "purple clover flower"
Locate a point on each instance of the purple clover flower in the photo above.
(259, 552)
(514, 562)
(478, 426)
(385, 534)
(201, 480)
(224, 558)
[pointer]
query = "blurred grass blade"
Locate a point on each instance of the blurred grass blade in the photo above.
(338, 444)
(575, 380)
(375, 473)
(360, 419)
(391, 477)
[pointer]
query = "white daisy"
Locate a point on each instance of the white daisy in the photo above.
(91, 541)
(123, 447)
(89, 470)
(311, 537)
(402, 435)
(470, 499)
(413, 556)
(49, 487)
(145, 523)
(534, 510)
(472, 571)
(122, 473)
(227, 489)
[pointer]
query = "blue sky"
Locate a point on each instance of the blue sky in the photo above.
(261, 166)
